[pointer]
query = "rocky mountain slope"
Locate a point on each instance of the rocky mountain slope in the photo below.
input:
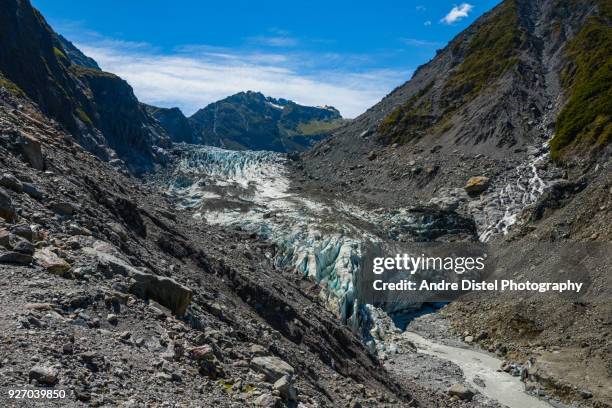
(112, 295)
(97, 108)
(250, 120)
(495, 91)
(509, 124)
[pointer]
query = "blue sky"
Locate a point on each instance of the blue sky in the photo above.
(189, 53)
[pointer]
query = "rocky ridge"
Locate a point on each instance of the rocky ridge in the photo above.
(250, 120)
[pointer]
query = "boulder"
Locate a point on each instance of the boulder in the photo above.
(32, 191)
(201, 353)
(15, 258)
(285, 388)
(24, 247)
(165, 291)
(273, 367)
(477, 185)
(7, 210)
(23, 231)
(30, 147)
(63, 208)
(5, 238)
(51, 262)
(258, 350)
(267, 400)
(11, 182)
(112, 319)
(43, 375)
(461, 392)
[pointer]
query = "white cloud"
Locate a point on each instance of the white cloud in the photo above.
(427, 23)
(421, 8)
(414, 42)
(193, 76)
(457, 13)
(275, 41)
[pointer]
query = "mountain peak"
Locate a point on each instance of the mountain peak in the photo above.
(252, 120)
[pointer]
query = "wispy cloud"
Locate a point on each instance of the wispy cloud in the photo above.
(457, 13)
(414, 42)
(420, 8)
(276, 38)
(193, 76)
(427, 23)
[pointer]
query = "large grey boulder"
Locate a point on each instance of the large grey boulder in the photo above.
(43, 375)
(15, 258)
(165, 291)
(285, 388)
(460, 391)
(7, 210)
(11, 182)
(273, 367)
(31, 149)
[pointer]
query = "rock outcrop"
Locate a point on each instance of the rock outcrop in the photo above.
(98, 109)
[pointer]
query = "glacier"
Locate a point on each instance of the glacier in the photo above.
(323, 239)
(319, 239)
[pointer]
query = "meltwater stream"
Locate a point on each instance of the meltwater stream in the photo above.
(321, 240)
(496, 385)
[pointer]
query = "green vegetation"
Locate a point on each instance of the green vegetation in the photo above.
(59, 54)
(10, 86)
(82, 71)
(226, 384)
(83, 116)
(490, 53)
(319, 127)
(409, 120)
(492, 50)
(585, 119)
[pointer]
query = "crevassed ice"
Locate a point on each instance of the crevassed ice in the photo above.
(253, 186)
(319, 239)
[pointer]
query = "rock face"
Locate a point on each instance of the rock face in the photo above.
(110, 318)
(178, 127)
(250, 120)
(75, 55)
(273, 367)
(99, 109)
